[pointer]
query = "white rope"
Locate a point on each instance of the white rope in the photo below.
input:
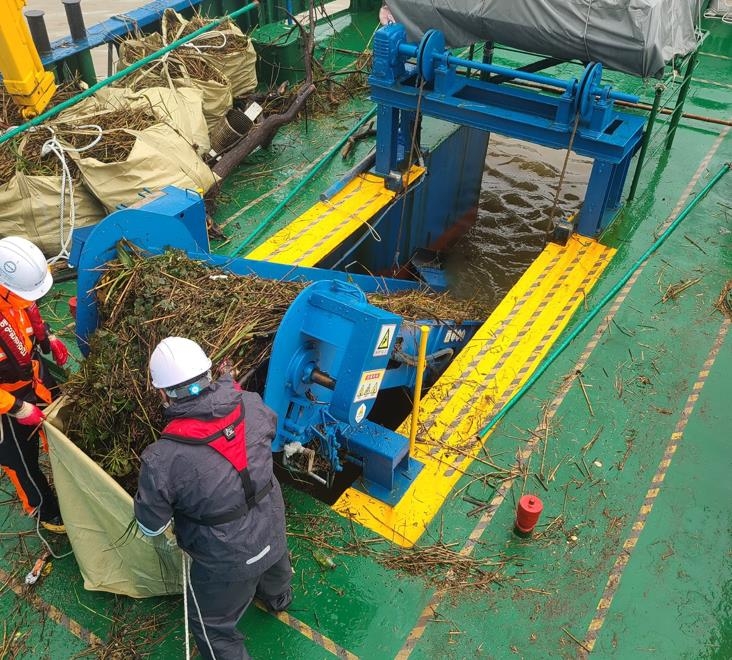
(187, 569)
(207, 35)
(163, 59)
(52, 145)
(725, 17)
(185, 603)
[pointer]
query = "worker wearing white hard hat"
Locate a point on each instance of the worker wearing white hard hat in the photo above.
(24, 385)
(211, 474)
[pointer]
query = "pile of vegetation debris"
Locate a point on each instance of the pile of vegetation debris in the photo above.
(14, 153)
(114, 412)
(92, 157)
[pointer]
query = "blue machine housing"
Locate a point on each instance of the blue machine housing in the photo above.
(333, 354)
(332, 329)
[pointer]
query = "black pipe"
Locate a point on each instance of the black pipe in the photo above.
(75, 19)
(39, 33)
(321, 378)
(487, 59)
(471, 55)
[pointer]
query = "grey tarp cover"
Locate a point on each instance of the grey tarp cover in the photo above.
(97, 513)
(634, 36)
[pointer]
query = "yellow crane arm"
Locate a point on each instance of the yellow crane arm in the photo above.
(23, 75)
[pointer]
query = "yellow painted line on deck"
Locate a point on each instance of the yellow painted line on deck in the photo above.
(488, 371)
(616, 573)
(313, 635)
(28, 594)
(307, 240)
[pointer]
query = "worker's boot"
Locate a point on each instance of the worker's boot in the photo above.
(54, 524)
(276, 604)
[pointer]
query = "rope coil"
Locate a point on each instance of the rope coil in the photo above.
(54, 146)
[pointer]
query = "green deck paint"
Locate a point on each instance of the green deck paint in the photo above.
(674, 599)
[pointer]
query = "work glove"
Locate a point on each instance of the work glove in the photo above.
(58, 350)
(29, 414)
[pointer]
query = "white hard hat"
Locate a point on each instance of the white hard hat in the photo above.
(23, 268)
(177, 360)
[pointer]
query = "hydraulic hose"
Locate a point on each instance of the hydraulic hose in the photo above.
(605, 299)
(302, 183)
(52, 112)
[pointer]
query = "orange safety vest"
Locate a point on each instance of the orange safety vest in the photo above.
(19, 371)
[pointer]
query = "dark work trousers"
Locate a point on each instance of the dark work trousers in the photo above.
(19, 451)
(223, 603)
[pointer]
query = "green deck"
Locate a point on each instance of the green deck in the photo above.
(652, 582)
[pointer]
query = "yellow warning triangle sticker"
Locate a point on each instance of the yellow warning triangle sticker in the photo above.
(385, 340)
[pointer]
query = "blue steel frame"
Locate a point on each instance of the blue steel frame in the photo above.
(582, 117)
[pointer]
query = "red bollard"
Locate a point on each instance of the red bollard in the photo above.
(527, 514)
(72, 306)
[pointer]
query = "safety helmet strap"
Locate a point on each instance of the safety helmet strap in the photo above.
(190, 388)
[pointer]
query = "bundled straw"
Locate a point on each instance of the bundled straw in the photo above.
(9, 111)
(234, 42)
(24, 153)
(116, 142)
(199, 69)
(8, 157)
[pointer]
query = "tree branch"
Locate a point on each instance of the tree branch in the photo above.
(261, 133)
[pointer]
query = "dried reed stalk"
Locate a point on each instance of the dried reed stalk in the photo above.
(116, 142)
(24, 153)
(234, 42)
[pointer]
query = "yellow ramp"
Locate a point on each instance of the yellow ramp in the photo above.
(489, 370)
(324, 226)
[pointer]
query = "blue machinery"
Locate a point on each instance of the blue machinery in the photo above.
(327, 367)
(581, 118)
(333, 354)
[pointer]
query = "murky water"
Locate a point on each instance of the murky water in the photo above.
(519, 185)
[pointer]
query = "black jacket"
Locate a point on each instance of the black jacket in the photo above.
(200, 482)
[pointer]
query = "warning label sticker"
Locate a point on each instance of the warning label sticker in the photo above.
(386, 334)
(369, 386)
